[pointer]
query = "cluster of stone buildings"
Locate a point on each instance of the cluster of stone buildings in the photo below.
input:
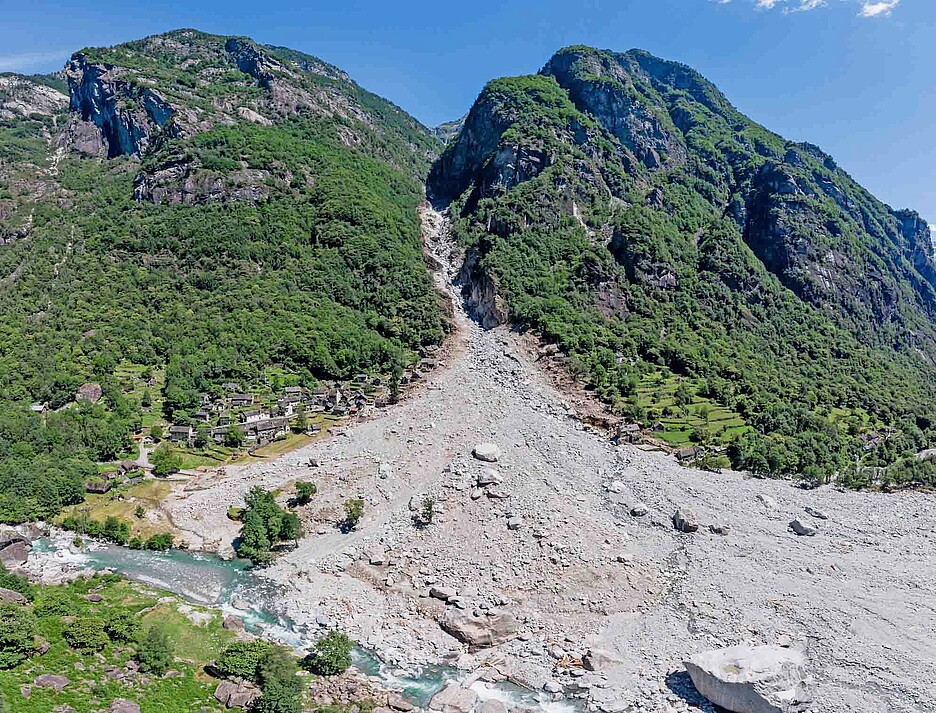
(265, 418)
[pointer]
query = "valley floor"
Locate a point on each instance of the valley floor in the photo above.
(580, 571)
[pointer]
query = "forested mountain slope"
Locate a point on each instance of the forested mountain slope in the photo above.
(203, 204)
(619, 204)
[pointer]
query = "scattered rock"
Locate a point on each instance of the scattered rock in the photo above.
(233, 623)
(617, 487)
(476, 494)
(477, 629)
(514, 523)
(8, 595)
(236, 695)
(720, 529)
(498, 493)
(552, 687)
(599, 660)
(399, 703)
(492, 706)
(443, 593)
(50, 680)
(453, 699)
(377, 558)
(93, 598)
(685, 520)
(801, 528)
(816, 513)
(122, 705)
(489, 476)
(753, 679)
(639, 509)
(488, 452)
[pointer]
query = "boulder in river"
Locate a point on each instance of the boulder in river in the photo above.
(753, 679)
(453, 699)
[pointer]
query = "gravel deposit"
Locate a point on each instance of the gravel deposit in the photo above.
(566, 546)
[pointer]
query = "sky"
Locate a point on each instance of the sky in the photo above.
(856, 77)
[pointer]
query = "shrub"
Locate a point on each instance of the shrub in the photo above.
(17, 634)
(305, 491)
(242, 659)
(354, 511)
(155, 652)
(121, 626)
(86, 634)
(330, 655)
(56, 602)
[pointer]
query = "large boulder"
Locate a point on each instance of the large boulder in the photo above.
(50, 680)
(488, 452)
(453, 699)
(801, 528)
(8, 595)
(685, 520)
(14, 554)
(753, 679)
(481, 630)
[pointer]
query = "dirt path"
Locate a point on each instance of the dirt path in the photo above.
(580, 571)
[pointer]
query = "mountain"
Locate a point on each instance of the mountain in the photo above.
(622, 207)
(201, 207)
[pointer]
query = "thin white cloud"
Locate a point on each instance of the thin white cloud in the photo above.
(874, 9)
(31, 61)
(869, 8)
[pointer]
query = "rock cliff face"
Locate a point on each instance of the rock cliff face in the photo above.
(129, 116)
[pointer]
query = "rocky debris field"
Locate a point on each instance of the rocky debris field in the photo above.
(584, 570)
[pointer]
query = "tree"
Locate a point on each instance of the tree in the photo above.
(16, 582)
(304, 492)
(86, 634)
(146, 400)
(17, 634)
(139, 511)
(242, 659)
(330, 655)
(156, 432)
(281, 696)
(354, 511)
(165, 460)
(155, 651)
(254, 542)
(395, 377)
(301, 423)
(121, 626)
(234, 438)
(289, 528)
(202, 435)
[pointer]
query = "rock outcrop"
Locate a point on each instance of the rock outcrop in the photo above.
(129, 116)
(753, 679)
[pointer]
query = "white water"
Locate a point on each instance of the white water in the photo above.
(230, 586)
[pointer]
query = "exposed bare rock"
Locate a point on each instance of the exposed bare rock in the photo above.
(479, 630)
(753, 679)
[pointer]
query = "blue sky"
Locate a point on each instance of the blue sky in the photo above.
(857, 77)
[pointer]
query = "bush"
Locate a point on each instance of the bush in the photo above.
(86, 634)
(242, 659)
(17, 634)
(155, 652)
(330, 655)
(305, 491)
(354, 511)
(121, 626)
(56, 602)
